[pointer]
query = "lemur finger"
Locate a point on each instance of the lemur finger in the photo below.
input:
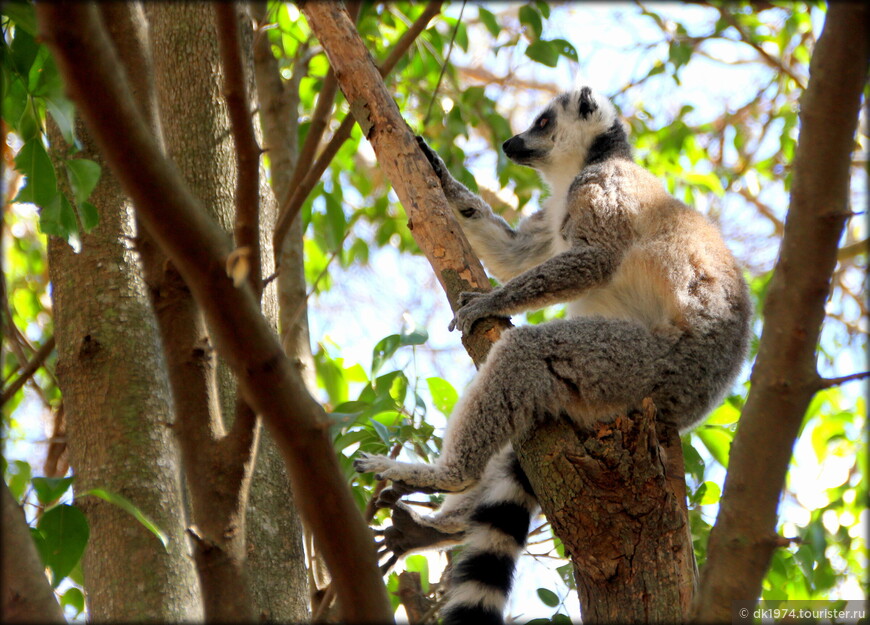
(465, 297)
(389, 564)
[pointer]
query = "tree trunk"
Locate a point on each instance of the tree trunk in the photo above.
(200, 141)
(785, 378)
(608, 498)
(27, 596)
(119, 416)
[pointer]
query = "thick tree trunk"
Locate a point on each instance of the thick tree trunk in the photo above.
(119, 416)
(607, 496)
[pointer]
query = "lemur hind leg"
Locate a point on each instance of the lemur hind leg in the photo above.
(593, 368)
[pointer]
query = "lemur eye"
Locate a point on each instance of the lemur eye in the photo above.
(543, 121)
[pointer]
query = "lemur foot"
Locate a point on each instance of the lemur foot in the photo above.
(405, 535)
(371, 463)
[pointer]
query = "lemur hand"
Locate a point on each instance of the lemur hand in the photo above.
(474, 306)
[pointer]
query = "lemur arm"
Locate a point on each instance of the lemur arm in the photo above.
(597, 226)
(506, 252)
(558, 279)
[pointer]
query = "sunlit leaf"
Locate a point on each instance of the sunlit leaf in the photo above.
(419, 564)
(444, 396)
(128, 506)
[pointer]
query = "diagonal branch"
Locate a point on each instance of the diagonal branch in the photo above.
(784, 378)
(28, 370)
(199, 249)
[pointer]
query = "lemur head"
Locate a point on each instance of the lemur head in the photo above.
(577, 128)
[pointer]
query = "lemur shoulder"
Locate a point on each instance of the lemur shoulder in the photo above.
(657, 307)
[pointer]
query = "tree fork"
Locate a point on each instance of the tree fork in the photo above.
(649, 594)
(199, 249)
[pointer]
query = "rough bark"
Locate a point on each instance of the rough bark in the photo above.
(197, 247)
(119, 413)
(27, 596)
(649, 568)
(785, 378)
(607, 496)
(278, 105)
(218, 458)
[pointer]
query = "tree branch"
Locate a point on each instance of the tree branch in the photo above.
(247, 219)
(832, 382)
(197, 247)
(784, 378)
(28, 370)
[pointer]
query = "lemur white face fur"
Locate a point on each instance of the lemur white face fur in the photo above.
(558, 141)
(657, 308)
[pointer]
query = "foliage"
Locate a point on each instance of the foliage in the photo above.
(32, 89)
(727, 153)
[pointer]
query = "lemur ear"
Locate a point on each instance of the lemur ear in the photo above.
(587, 102)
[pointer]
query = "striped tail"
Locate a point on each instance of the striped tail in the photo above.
(498, 527)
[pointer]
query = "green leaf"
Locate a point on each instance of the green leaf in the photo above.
(63, 113)
(128, 506)
(566, 572)
(549, 598)
(19, 478)
(336, 223)
(531, 19)
(544, 52)
(22, 14)
(50, 489)
(444, 396)
(693, 461)
(32, 160)
(65, 530)
(489, 21)
(726, 414)
(57, 217)
(711, 493)
(83, 176)
(566, 49)
(717, 441)
(387, 346)
(89, 216)
(23, 51)
(382, 431)
(73, 598)
(419, 564)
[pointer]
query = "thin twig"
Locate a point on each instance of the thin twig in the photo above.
(28, 370)
(831, 382)
(444, 64)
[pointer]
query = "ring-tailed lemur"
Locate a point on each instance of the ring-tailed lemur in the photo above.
(657, 307)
